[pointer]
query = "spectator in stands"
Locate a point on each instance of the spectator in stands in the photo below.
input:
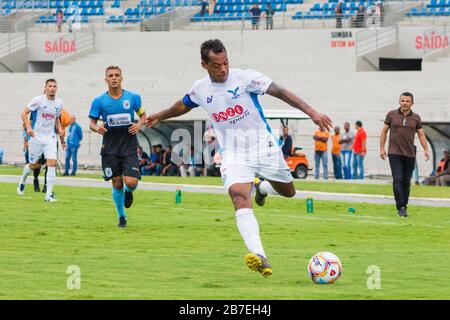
(361, 17)
(213, 167)
(443, 179)
(346, 150)
(192, 164)
(286, 143)
(59, 19)
(338, 13)
(255, 13)
(211, 6)
(73, 144)
(442, 171)
(203, 8)
(269, 16)
(360, 150)
(154, 163)
(169, 168)
(380, 12)
(321, 137)
(1, 155)
(336, 153)
(143, 159)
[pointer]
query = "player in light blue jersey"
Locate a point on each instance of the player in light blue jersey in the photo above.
(117, 108)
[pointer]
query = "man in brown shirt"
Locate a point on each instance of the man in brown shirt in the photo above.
(403, 124)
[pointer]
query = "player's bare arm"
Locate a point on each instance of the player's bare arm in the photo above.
(135, 127)
(27, 122)
(277, 91)
(176, 110)
(383, 136)
(100, 129)
(423, 142)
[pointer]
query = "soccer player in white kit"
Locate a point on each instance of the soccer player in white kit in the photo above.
(249, 149)
(43, 130)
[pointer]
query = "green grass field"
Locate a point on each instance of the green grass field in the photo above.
(337, 187)
(194, 251)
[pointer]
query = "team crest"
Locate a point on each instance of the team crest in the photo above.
(108, 172)
(126, 104)
(234, 93)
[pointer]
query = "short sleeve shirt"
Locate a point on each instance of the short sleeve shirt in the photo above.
(402, 132)
(118, 115)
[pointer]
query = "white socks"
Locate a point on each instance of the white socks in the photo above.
(25, 174)
(51, 177)
(249, 229)
(266, 188)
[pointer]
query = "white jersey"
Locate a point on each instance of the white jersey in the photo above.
(238, 119)
(44, 113)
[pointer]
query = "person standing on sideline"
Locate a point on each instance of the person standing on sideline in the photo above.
(73, 144)
(360, 150)
(346, 150)
(404, 124)
(321, 137)
(336, 153)
(286, 143)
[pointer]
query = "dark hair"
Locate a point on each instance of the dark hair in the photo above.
(408, 94)
(49, 80)
(214, 45)
(112, 68)
(140, 148)
(358, 123)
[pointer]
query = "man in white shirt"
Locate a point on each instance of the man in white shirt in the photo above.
(248, 147)
(43, 129)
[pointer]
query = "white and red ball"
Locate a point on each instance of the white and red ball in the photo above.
(324, 268)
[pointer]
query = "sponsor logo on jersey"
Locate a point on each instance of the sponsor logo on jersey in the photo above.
(117, 120)
(48, 116)
(126, 104)
(234, 93)
(231, 114)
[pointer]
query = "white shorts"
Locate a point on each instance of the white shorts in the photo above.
(37, 147)
(277, 170)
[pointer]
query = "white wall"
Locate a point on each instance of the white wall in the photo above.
(162, 66)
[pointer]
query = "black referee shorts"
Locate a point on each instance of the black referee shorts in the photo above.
(114, 166)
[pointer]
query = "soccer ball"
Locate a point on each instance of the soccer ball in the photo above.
(324, 268)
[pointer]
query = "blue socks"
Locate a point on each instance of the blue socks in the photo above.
(119, 198)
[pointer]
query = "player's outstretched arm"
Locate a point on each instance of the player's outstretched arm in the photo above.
(277, 91)
(26, 120)
(176, 110)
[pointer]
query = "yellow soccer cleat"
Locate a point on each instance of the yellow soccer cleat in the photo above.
(257, 262)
